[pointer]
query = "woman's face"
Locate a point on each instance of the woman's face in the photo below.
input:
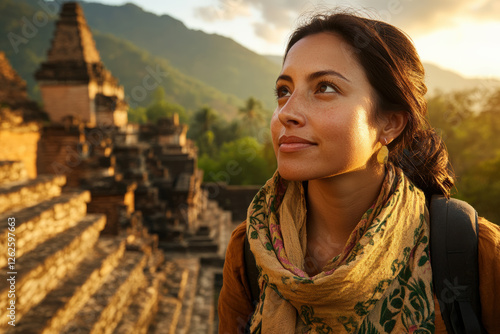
(324, 124)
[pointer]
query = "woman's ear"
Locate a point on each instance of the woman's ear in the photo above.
(394, 123)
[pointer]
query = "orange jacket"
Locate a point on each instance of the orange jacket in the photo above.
(235, 306)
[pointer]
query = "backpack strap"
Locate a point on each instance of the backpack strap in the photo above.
(252, 273)
(455, 272)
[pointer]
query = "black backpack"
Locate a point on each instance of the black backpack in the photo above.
(455, 273)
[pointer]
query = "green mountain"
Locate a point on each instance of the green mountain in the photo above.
(439, 79)
(24, 44)
(27, 43)
(131, 64)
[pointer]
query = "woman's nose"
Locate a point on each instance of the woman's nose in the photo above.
(291, 113)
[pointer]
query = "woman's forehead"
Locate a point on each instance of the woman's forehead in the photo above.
(320, 52)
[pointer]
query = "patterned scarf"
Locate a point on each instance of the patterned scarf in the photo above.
(381, 282)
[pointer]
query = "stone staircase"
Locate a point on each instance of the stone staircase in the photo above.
(177, 297)
(71, 279)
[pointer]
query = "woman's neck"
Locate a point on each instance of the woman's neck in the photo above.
(336, 204)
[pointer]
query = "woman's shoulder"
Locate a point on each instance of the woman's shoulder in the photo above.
(234, 263)
(235, 305)
(237, 241)
(488, 231)
(489, 242)
(489, 273)
(240, 231)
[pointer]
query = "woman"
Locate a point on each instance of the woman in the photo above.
(340, 234)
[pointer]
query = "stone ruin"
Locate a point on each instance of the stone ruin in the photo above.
(114, 232)
(73, 80)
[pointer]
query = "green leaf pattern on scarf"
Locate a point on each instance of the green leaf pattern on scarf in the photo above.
(408, 308)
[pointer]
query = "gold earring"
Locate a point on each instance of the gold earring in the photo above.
(383, 154)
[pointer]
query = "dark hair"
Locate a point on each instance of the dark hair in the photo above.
(395, 71)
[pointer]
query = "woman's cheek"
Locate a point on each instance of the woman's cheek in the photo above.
(275, 132)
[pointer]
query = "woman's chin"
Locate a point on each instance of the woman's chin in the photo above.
(294, 175)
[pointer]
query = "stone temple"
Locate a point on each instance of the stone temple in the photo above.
(114, 231)
(73, 81)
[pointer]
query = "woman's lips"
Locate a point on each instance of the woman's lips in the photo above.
(292, 144)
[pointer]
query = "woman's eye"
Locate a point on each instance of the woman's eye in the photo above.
(282, 91)
(327, 88)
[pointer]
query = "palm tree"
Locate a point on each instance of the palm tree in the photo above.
(252, 115)
(205, 119)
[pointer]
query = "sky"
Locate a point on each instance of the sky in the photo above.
(459, 35)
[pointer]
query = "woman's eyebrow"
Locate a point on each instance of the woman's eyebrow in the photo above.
(319, 74)
(315, 75)
(284, 77)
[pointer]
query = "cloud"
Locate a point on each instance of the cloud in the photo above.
(487, 9)
(277, 16)
(269, 33)
(416, 17)
(423, 16)
(224, 10)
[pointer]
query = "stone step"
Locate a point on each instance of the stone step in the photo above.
(21, 194)
(167, 317)
(177, 296)
(40, 270)
(205, 305)
(105, 308)
(140, 314)
(170, 299)
(62, 303)
(188, 294)
(11, 171)
(41, 222)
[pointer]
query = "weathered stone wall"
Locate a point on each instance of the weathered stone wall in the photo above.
(11, 171)
(61, 100)
(20, 144)
(120, 117)
(13, 87)
(233, 198)
(113, 201)
(60, 152)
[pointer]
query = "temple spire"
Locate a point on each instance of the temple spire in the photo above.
(73, 40)
(73, 81)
